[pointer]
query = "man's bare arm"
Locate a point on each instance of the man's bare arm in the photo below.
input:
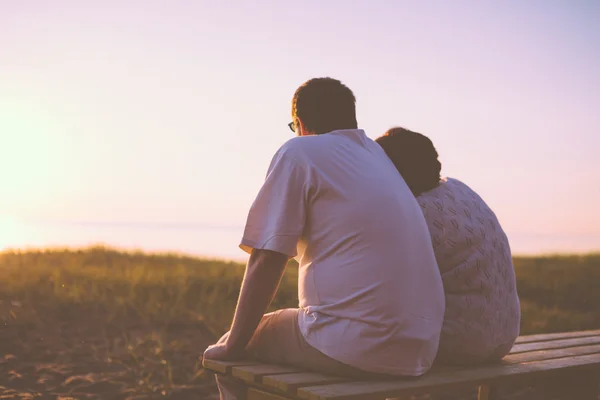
(262, 277)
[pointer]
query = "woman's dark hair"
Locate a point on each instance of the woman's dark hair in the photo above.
(324, 105)
(415, 158)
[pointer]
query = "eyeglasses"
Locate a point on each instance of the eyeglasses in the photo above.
(291, 126)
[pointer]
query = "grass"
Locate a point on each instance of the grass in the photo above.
(125, 322)
(153, 314)
(558, 292)
(157, 288)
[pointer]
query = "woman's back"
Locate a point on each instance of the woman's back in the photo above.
(482, 317)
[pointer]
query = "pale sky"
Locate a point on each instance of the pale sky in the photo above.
(168, 112)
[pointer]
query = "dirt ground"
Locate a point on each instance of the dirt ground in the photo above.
(76, 353)
(73, 354)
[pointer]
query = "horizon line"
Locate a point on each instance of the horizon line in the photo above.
(243, 259)
(212, 226)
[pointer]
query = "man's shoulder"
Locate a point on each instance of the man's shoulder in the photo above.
(308, 143)
(291, 154)
(301, 148)
(289, 149)
(295, 145)
(298, 143)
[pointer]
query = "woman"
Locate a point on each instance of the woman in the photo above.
(482, 318)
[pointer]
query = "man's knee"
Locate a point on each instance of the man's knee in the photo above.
(275, 337)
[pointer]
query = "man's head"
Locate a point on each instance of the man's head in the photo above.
(415, 158)
(323, 105)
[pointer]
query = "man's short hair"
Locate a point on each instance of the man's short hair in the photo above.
(415, 158)
(324, 105)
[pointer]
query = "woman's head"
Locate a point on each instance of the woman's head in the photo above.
(415, 158)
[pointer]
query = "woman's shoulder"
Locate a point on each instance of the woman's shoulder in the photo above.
(457, 186)
(455, 183)
(433, 201)
(450, 193)
(446, 188)
(468, 197)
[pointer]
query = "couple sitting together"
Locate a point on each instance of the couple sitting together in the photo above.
(398, 267)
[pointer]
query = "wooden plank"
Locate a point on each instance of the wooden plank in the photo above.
(448, 380)
(555, 344)
(256, 394)
(529, 356)
(289, 383)
(555, 336)
(255, 373)
(541, 355)
(224, 367)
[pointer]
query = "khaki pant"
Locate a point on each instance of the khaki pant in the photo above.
(278, 340)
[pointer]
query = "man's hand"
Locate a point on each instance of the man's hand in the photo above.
(220, 352)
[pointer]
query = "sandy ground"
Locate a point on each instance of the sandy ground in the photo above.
(79, 353)
(73, 354)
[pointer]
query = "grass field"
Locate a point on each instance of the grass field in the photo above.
(99, 323)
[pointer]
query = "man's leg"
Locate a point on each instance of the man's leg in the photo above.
(278, 340)
(265, 345)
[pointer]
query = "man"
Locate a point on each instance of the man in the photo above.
(371, 296)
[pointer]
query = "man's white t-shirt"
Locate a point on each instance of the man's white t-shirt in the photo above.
(370, 291)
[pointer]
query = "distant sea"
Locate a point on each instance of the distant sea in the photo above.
(217, 241)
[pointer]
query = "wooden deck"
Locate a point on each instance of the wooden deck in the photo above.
(572, 357)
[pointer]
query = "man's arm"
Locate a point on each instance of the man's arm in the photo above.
(262, 277)
(274, 226)
(263, 274)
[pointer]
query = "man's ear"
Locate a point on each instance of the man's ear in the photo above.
(302, 128)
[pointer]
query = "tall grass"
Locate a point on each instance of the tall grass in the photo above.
(137, 323)
(160, 288)
(558, 292)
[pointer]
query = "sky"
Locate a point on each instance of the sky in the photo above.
(167, 113)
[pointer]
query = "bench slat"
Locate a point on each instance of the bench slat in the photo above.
(553, 339)
(541, 355)
(447, 380)
(224, 367)
(289, 383)
(555, 336)
(529, 350)
(555, 344)
(254, 373)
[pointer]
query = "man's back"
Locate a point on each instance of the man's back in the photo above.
(369, 286)
(371, 297)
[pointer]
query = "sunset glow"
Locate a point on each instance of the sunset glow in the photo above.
(114, 113)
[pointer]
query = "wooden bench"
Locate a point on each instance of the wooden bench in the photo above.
(556, 358)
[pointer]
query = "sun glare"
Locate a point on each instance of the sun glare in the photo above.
(8, 232)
